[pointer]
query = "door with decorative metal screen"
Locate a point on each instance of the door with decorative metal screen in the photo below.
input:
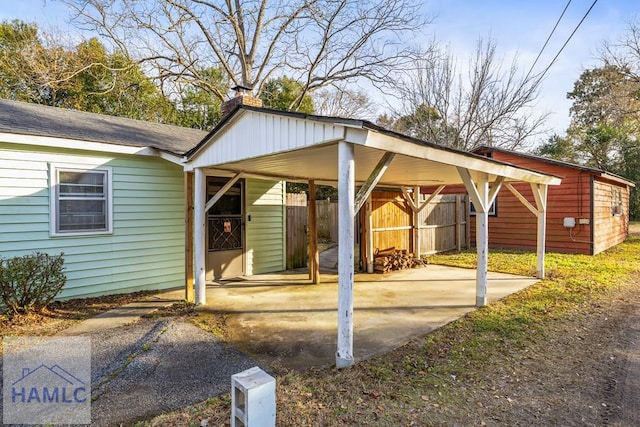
(225, 230)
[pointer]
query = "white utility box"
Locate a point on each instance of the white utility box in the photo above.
(253, 399)
(569, 222)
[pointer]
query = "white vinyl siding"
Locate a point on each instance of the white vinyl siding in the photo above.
(146, 247)
(265, 237)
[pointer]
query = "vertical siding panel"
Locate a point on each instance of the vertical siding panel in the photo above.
(391, 217)
(609, 229)
(254, 134)
(265, 246)
(146, 249)
(392, 223)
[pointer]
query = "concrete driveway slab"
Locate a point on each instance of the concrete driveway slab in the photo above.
(283, 320)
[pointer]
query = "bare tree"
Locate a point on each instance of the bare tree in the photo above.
(612, 90)
(624, 52)
(485, 104)
(339, 102)
(316, 42)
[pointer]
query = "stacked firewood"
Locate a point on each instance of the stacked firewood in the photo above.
(391, 259)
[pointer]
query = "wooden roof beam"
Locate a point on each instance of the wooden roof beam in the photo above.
(414, 204)
(216, 197)
(522, 199)
(372, 181)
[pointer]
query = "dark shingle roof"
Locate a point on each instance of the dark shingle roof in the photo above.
(595, 171)
(39, 120)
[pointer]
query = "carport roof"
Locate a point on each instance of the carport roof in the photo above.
(299, 147)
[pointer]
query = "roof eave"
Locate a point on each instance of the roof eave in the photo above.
(616, 178)
(73, 144)
(385, 139)
(595, 171)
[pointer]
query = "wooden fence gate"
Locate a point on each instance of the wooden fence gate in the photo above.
(296, 230)
(327, 220)
(443, 225)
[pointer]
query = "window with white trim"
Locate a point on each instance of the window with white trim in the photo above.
(492, 209)
(81, 200)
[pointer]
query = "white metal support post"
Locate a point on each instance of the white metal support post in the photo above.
(482, 239)
(369, 234)
(346, 211)
(540, 194)
(199, 232)
(482, 197)
(416, 223)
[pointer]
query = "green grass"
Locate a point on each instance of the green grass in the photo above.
(571, 281)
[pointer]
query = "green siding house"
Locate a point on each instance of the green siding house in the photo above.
(109, 193)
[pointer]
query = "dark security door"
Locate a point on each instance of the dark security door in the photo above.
(225, 230)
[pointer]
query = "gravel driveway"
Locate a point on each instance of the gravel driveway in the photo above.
(155, 366)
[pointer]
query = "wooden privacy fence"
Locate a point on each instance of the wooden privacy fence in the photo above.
(296, 230)
(297, 226)
(443, 224)
(327, 220)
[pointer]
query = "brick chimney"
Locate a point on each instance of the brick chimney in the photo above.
(243, 97)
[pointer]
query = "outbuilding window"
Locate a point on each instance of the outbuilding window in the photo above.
(492, 209)
(81, 201)
(616, 201)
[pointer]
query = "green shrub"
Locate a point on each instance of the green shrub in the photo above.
(29, 283)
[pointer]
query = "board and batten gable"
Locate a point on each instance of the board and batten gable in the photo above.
(265, 226)
(144, 250)
(254, 134)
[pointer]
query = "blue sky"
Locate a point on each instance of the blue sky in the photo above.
(517, 26)
(521, 27)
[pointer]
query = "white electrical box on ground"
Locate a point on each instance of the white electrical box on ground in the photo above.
(253, 399)
(569, 222)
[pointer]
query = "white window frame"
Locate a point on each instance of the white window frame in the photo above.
(492, 209)
(54, 171)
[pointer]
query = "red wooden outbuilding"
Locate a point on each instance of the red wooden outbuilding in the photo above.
(588, 213)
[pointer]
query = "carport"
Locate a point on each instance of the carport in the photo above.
(353, 154)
